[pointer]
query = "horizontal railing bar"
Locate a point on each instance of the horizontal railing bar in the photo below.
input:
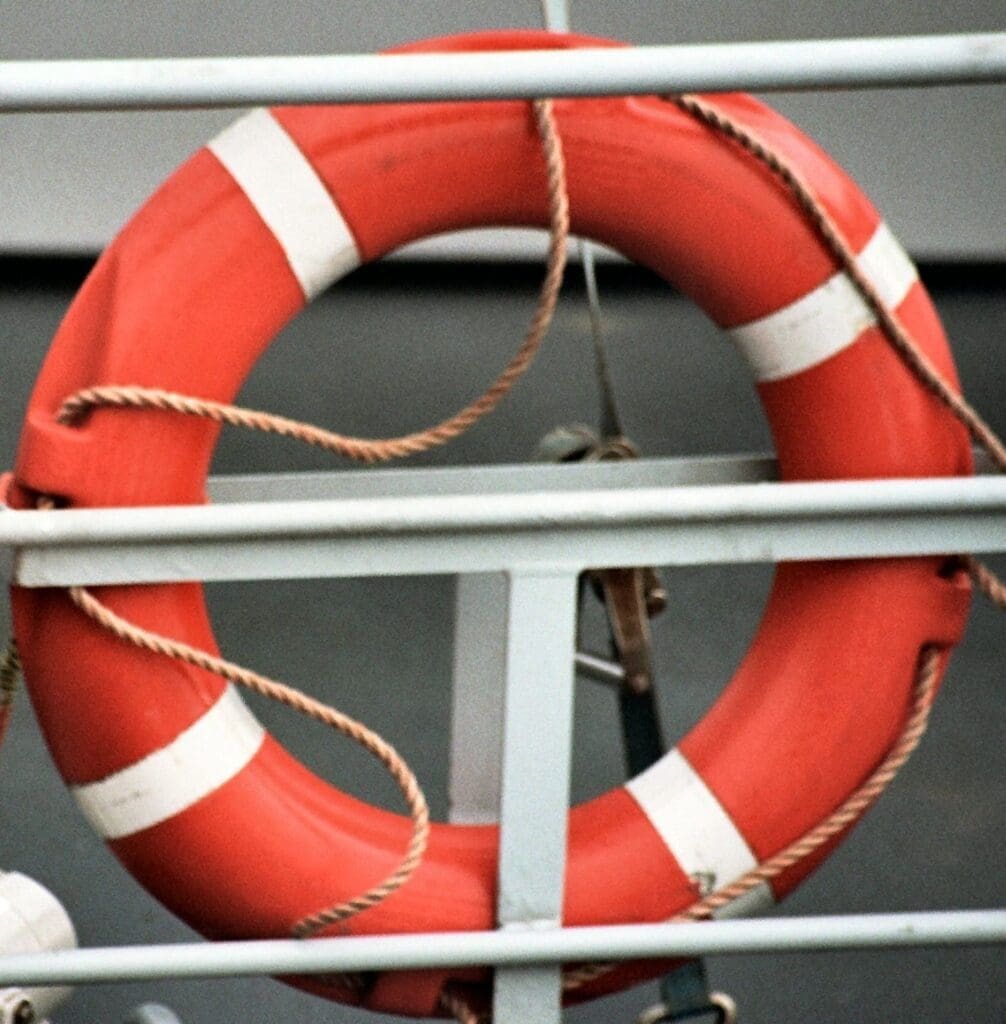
(512, 478)
(381, 517)
(567, 530)
(511, 947)
(243, 81)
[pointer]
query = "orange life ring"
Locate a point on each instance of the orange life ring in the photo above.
(193, 290)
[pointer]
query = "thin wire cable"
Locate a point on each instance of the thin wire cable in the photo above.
(610, 421)
(371, 450)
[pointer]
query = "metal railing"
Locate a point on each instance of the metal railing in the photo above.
(523, 74)
(505, 948)
(511, 544)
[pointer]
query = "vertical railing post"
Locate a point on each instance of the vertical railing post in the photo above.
(480, 644)
(534, 799)
(510, 754)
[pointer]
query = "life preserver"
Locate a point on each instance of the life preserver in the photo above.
(209, 812)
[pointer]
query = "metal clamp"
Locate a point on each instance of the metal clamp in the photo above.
(720, 1005)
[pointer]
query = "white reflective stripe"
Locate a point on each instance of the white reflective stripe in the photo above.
(828, 319)
(284, 188)
(691, 821)
(888, 266)
(198, 761)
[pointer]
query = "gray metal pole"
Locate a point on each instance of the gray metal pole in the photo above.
(545, 510)
(568, 530)
(505, 948)
(556, 15)
(246, 81)
(534, 791)
(480, 650)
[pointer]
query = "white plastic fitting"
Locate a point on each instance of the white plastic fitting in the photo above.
(31, 920)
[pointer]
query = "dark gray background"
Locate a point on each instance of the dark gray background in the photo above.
(392, 349)
(933, 159)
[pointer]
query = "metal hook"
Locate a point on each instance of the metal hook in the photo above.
(719, 1004)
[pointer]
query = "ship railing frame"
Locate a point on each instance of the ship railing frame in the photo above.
(517, 536)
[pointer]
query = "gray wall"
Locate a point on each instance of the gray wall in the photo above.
(934, 160)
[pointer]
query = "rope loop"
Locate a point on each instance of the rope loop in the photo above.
(373, 450)
(845, 815)
(292, 698)
(79, 404)
(986, 580)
